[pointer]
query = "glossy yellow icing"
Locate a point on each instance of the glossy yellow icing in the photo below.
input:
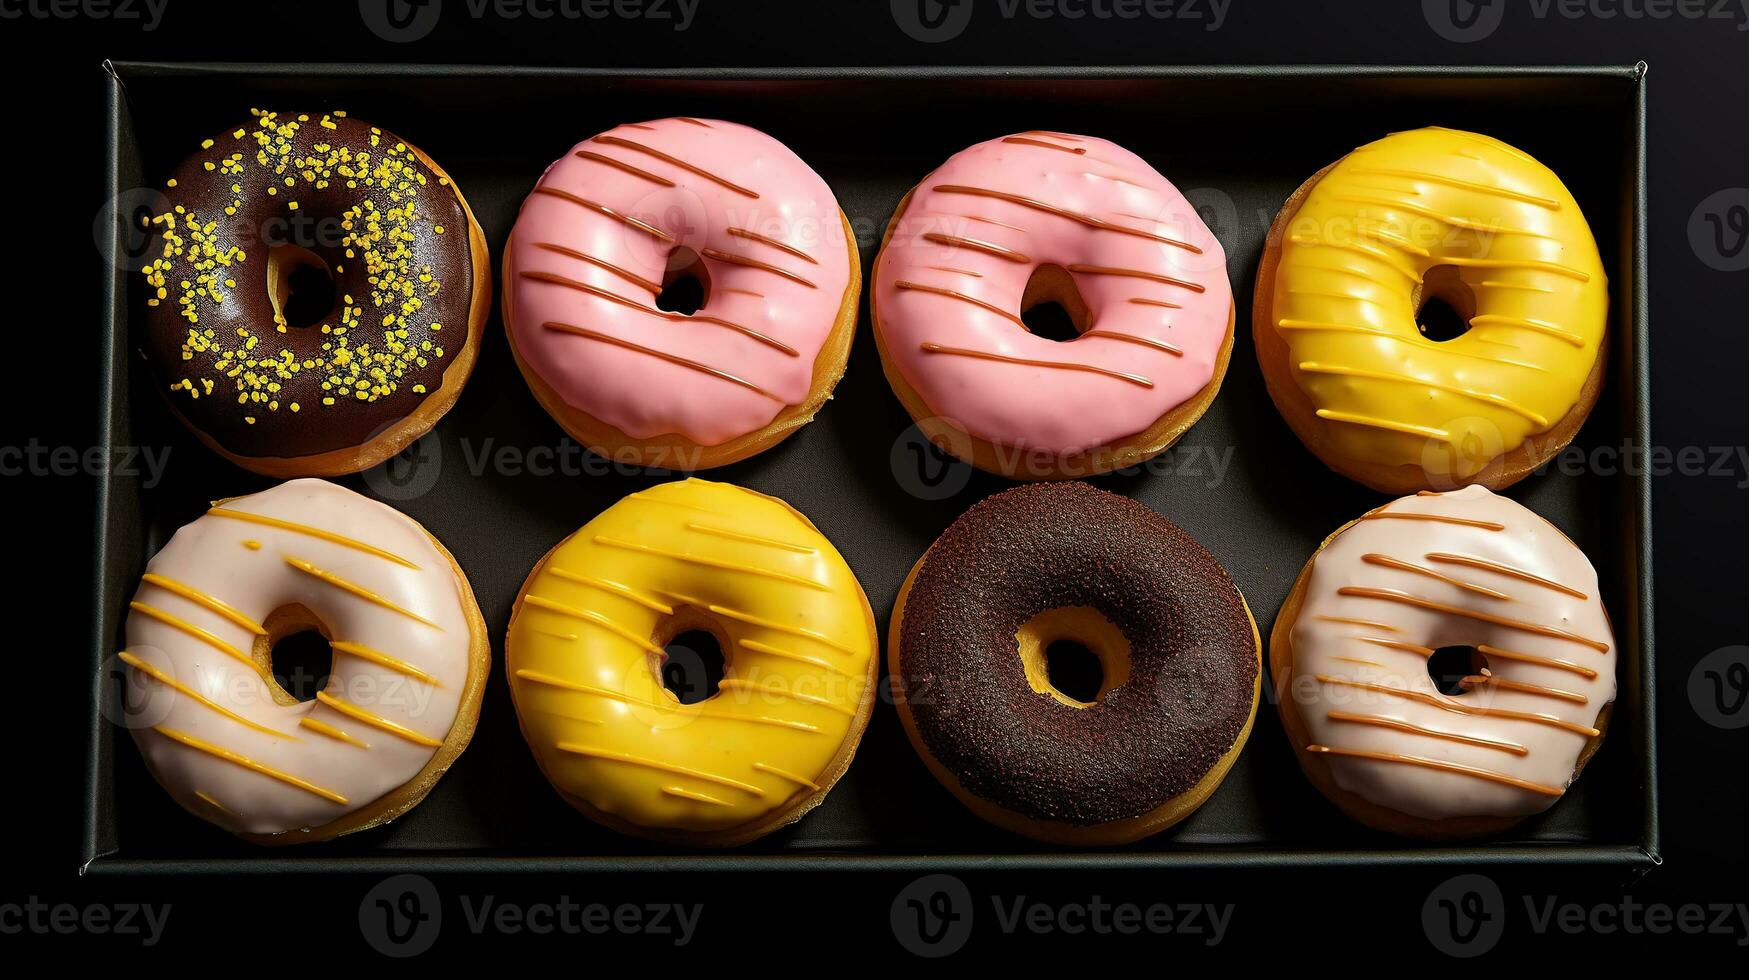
(1362, 247)
(585, 648)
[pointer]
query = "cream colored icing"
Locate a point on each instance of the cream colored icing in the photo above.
(1466, 568)
(203, 710)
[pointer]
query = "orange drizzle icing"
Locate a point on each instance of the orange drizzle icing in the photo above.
(355, 589)
(770, 573)
(781, 774)
(723, 532)
(1028, 141)
(1085, 219)
(165, 679)
(1159, 345)
(1388, 562)
(1134, 379)
(603, 209)
(199, 598)
(1108, 270)
(734, 684)
(629, 276)
(1413, 760)
(1397, 515)
(314, 532)
(774, 243)
(623, 591)
(734, 259)
(663, 355)
(219, 751)
(202, 635)
(676, 161)
(622, 165)
(975, 245)
(612, 297)
(357, 713)
(1490, 680)
(768, 649)
(1393, 595)
(1414, 729)
(1458, 707)
(396, 664)
(323, 728)
(594, 619)
(962, 297)
(1488, 651)
(1360, 622)
(632, 760)
(1506, 570)
(548, 680)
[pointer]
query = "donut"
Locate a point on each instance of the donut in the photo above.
(586, 647)
(1050, 562)
(1379, 388)
(410, 657)
(628, 214)
(1412, 583)
(317, 294)
(1035, 218)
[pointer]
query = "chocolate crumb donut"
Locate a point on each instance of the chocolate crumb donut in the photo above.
(315, 295)
(1055, 562)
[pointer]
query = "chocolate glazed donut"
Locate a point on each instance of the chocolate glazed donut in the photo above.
(1065, 561)
(316, 294)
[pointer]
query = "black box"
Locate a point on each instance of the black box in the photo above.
(1236, 139)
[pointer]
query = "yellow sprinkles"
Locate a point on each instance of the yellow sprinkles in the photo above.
(371, 350)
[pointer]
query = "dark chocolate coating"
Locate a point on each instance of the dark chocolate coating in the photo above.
(1193, 656)
(262, 221)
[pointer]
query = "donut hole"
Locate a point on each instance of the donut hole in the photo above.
(1450, 667)
(693, 660)
(1073, 655)
(686, 285)
(295, 652)
(300, 286)
(1051, 307)
(1444, 304)
(1074, 671)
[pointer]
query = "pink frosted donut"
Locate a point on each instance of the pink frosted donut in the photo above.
(1040, 217)
(631, 212)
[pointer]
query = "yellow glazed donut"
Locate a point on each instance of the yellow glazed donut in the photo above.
(585, 652)
(1342, 333)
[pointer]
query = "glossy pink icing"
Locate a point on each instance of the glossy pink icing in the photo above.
(643, 395)
(1052, 409)
(1337, 636)
(211, 557)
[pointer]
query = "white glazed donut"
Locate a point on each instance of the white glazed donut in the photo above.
(1351, 647)
(410, 663)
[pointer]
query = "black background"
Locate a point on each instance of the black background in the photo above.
(1699, 76)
